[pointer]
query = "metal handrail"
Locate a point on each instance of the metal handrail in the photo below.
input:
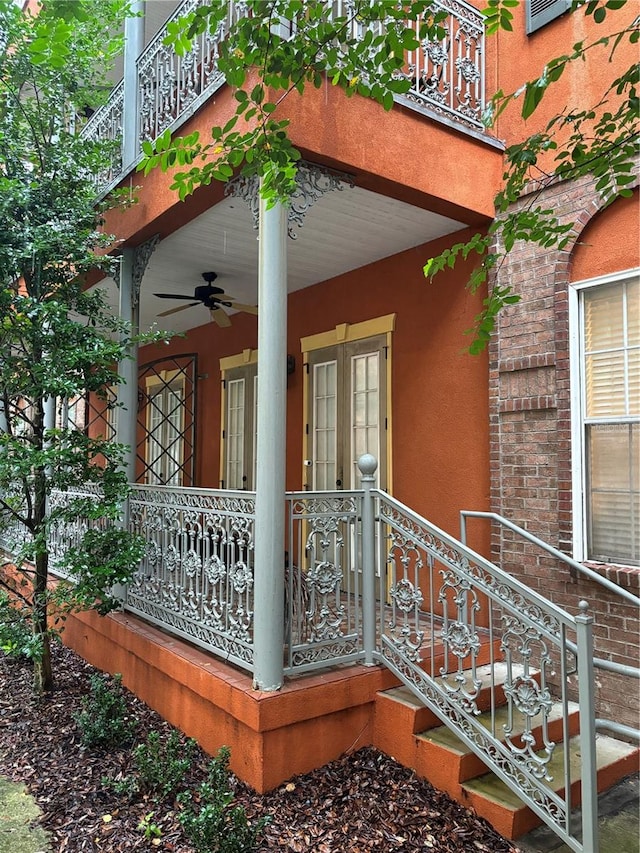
(598, 663)
(467, 594)
(584, 570)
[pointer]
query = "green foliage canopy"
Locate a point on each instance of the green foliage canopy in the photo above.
(58, 340)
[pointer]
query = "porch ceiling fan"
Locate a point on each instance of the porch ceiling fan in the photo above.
(213, 298)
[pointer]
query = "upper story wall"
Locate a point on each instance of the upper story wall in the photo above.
(609, 243)
(513, 58)
(430, 149)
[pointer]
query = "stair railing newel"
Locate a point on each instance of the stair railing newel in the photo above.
(367, 464)
(586, 699)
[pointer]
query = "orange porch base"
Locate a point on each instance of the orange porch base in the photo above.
(314, 719)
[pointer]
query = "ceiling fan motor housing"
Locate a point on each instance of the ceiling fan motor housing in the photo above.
(205, 292)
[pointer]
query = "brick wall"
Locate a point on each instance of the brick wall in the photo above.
(530, 452)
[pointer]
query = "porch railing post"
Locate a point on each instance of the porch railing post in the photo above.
(127, 413)
(268, 635)
(133, 46)
(586, 693)
(367, 465)
(128, 368)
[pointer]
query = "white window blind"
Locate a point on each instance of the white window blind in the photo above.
(611, 419)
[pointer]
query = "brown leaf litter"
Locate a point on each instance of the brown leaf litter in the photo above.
(364, 801)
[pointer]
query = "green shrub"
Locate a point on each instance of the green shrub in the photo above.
(149, 828)
(210, 820)
(103, 720)
(16, 635)
(162, 766)
(125, 786)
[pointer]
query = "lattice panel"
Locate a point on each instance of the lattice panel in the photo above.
(166, 422)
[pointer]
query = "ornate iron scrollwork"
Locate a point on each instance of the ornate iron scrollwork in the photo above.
(313, 182)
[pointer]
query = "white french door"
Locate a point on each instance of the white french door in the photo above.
(347, 417)
(239, 430)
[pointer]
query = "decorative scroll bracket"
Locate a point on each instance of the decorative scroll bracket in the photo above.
(141, 256)
(313, 182)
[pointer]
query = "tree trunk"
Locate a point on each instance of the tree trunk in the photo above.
(42, 671)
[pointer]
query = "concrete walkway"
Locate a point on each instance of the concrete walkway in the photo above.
(618, 820)
(18, 811)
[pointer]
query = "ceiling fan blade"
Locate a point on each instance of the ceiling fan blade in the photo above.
(248, 309)
(175, 310)
(220, 318)
(172, 296)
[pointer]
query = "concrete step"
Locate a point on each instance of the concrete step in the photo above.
(495, 801)
(448, 762)
(400, 715)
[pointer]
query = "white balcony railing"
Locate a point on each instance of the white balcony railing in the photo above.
(447, 78)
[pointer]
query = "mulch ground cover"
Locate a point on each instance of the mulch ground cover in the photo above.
(364, 801)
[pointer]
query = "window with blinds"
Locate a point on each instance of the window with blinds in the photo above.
(610, 338)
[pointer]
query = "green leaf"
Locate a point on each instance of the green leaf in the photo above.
(533, 95)
(257, 94)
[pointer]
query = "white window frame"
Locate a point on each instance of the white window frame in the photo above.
(242, 366)
(578, 386)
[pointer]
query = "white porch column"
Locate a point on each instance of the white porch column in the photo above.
(133, 46)
(271, 444)
(127, 414)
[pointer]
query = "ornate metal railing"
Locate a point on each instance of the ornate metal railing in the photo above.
(107, 124)
(196, 578)
(13, 534)
(64, 534)
(453, 612)
(172, 87)
(447, 77)
(323, 620)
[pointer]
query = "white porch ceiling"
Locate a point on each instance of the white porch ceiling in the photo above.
(342, 231)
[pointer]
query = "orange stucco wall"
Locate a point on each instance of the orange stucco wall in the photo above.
(513, 58)
(439, 392)
(610, 242)
(395, 156)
